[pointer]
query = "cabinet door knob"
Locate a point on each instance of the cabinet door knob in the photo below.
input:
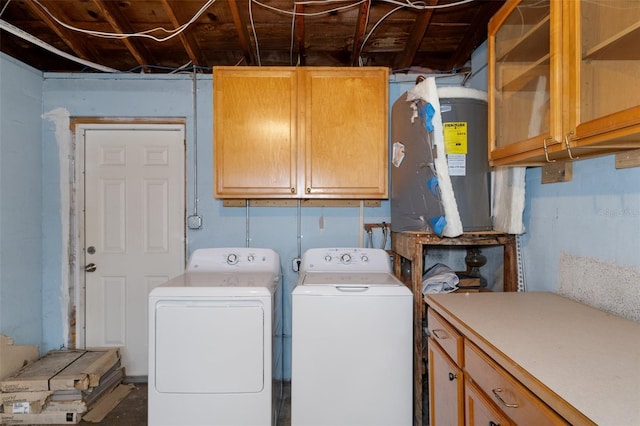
(452, 377)
(293, 190)
(308, 190)
(492, 423)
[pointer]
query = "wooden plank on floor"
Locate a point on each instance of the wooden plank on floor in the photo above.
(35, 376)
(85, 371)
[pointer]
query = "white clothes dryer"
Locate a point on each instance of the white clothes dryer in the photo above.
(215, 353)
(352, 341)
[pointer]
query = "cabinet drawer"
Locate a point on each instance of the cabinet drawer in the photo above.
(447, 337)
(519, 404)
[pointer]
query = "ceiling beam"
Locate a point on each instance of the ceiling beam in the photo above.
(111, 12)
(74, 41)
(361, 28)
(474, 36)
(243, 33)
(187, 37)
(299, 10)
(419, 29)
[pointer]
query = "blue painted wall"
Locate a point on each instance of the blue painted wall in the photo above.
(597, 214)
(20, 202)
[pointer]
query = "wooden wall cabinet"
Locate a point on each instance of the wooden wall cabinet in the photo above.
(563, 80)
(307, 132)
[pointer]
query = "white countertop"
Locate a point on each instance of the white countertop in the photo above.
(557, 347)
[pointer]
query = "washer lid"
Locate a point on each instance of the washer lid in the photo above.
(372, 284)
(359, 279)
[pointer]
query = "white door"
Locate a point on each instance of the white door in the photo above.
(134, 231)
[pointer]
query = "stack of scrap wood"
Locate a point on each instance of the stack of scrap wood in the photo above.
(60, 387)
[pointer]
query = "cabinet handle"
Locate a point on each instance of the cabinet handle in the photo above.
(566, 142)
(293, 190)
(452, 377)
(441, 337)
(308, 190)
(492, 423)
(496, 393)
(546, 152)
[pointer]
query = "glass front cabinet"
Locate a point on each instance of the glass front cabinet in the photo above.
(563, 80)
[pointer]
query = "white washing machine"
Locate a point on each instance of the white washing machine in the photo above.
(215, 354)
(352, 341)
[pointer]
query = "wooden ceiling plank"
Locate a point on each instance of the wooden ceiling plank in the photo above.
(299, 22)
(474, 34)
(243, 33)
(186, 37)
(119, 23)
(361, 28)
(74, 42)
(419, 29)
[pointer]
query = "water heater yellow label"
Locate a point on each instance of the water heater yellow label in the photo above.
(455, 137)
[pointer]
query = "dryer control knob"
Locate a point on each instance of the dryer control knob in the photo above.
(251, 258)
(232, 259)
(327, 258)
(364, 258)
(345, 258)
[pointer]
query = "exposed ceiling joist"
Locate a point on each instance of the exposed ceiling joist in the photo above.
(243, 33)
(119, 23)
(397, 34)
(177, 18)
(361, 28)
(418, 30)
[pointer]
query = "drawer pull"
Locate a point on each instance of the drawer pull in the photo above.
(496, 393)
(440, 334)
(452, 377)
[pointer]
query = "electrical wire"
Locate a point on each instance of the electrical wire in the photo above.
(253, 29)
(28, 37)
(146, 34)
(4, 7)
(176, 31)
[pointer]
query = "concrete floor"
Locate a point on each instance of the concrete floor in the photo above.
(132, 411)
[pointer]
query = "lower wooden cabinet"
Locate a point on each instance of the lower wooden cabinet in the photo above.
(446, 382)
(466, 387)
(513, 399)
(479, 409)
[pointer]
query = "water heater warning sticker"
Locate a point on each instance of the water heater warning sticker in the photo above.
(455, 137)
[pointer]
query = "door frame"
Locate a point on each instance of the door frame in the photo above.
(77, 315)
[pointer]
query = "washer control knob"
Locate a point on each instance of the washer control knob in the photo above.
(327, 258)
(232, 259)
(251, 258)
(345, 258)
(364, 258)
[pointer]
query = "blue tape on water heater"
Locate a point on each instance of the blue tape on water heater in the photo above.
(427, 111)
(432, 184)
(437, 224)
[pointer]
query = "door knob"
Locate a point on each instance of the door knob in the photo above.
(91, 267)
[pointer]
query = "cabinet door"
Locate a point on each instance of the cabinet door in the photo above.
(603, 74)
(479, 410)
(446, 406)
(345, 116)
(525, 98)
(255, 132)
